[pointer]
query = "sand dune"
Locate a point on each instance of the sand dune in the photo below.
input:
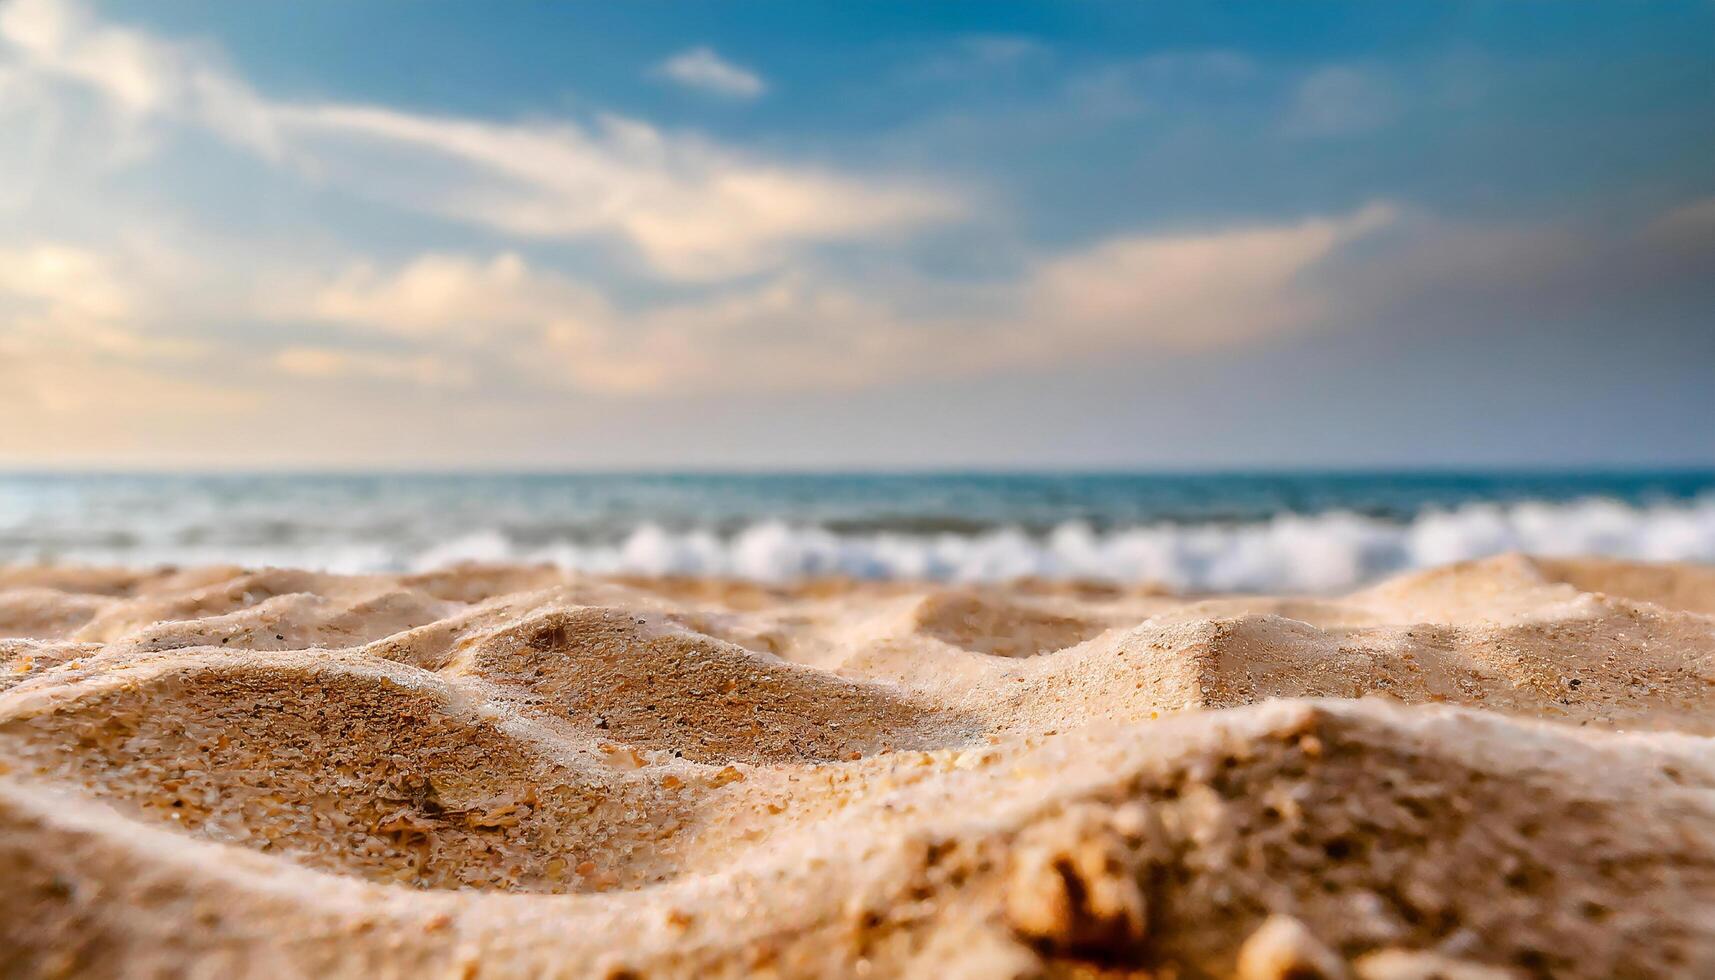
(1501, 768)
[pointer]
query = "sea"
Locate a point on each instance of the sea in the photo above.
(1278, 531)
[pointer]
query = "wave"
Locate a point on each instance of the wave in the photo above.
(1323, 551)
(1310, 553)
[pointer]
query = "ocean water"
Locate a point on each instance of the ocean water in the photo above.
(1280, 531)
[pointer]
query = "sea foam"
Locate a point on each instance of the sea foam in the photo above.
(1291, 552)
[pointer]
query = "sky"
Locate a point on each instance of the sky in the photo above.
(336, 234)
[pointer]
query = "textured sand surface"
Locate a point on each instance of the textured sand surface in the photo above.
(1495, 769)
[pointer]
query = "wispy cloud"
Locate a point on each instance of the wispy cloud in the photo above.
(67, 297)
(693, 209)
(978, 57)
(1339, 100)
(1196, 290)
(1132, 86)
(690, 207)
(332, 364)
(1161, 293)
(702, 69)
(80, 360)
(441, 294)
(64, 283)
(600, 263)
(139, 75)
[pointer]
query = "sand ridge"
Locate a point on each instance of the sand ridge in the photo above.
(1500, 768)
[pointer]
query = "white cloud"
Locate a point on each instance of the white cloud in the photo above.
(690, 207)
(454, 295)
(701, 68)
(799, 331)
(789, 333)
(70, 283)
(1195, 290)
(694, 209)
(58, 296)
(139, 75)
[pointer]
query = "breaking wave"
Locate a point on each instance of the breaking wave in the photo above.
(1313, 553)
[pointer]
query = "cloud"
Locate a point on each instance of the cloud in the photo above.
(690, 207)
(1690, 226)
(190, 259)
(1195, 290)
(526, 323)
(64, 297)
(454, 295)
(1156, 294)
(978, 57)
(70, 284)
(325, 363)
(694, 209)
(65, 402)
(806, 332)
(76, 348)
(518, 321)
(1339, 100)
(701, 68)
(792, 332)
(1153, 81)
(139, 75)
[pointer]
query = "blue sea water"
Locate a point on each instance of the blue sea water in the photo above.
(1283, 531)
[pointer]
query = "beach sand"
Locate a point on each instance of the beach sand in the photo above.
(1501, 768)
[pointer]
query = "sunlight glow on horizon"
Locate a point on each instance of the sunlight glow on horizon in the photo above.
(990, 248)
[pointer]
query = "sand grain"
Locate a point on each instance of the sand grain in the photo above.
(1495, 769)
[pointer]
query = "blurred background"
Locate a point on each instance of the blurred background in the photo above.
(1220, 295)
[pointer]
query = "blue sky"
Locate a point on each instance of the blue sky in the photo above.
(798, 234)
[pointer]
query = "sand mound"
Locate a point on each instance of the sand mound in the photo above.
(1496, 769)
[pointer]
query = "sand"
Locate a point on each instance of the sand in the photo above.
(1501, 768)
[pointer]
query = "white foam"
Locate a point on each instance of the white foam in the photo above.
(1316, 553)
(1304, 553)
